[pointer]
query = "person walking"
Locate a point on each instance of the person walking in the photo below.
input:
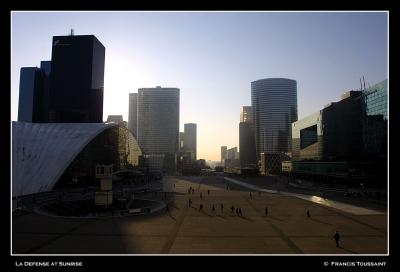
(213, 208)
(201, 207)
(237, 211)
(266, 211)
(190, 202)
(251, 197)
(208, 191)
(222, 207)
(337, 238)
(232, 208)
(308, 213)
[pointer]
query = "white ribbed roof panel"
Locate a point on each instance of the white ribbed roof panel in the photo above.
(41, 152)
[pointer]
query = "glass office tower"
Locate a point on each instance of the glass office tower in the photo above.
(274, 102)
(376, 121)
(158, 124)
(190, 140)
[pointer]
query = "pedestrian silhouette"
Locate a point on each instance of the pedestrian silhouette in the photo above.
(213, 208)
(201, 207)
(308, 213)
(240, 212)
(222, 207)
(166, 208)
(337, 238)
(266, 211)
(232, 208)
(251, 197)
(208, 191)
(190, 202)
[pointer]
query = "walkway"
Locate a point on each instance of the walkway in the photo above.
(319, 200)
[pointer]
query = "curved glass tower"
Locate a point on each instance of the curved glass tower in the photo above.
(274, 101)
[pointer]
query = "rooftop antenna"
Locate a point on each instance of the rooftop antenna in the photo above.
(72, 32)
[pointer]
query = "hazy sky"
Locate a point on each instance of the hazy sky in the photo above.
(212, 57)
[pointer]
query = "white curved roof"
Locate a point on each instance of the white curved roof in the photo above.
(41, 152)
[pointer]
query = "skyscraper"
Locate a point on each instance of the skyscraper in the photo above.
(223, 153)
(190, 140)
(46, 67)
(158, 124)
(274, 102)
(31, 95)
(132, 118)
(246, 114)
(76, 80)
(232, 158)
(181, 137)
(247, 145)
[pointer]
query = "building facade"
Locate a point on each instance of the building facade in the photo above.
(274, 103)
(76, 80)
(223, 154)
(346, 141)
(376, 121)
(31, 95)
(158, 124)
(232, 158)
(247, 145)
(190, 140)
(246, 114)
(342, 128)
(133, 108)
(307, 138)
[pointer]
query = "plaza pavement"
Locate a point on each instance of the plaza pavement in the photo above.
(186, 230)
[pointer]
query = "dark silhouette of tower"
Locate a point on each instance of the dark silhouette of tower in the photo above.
(76, 80)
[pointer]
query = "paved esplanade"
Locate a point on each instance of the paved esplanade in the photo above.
(186, 230)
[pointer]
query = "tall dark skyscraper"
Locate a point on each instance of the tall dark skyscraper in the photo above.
(34, 88)
(247, 143)
(76, 80)
(31, 95)
(133, 110)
